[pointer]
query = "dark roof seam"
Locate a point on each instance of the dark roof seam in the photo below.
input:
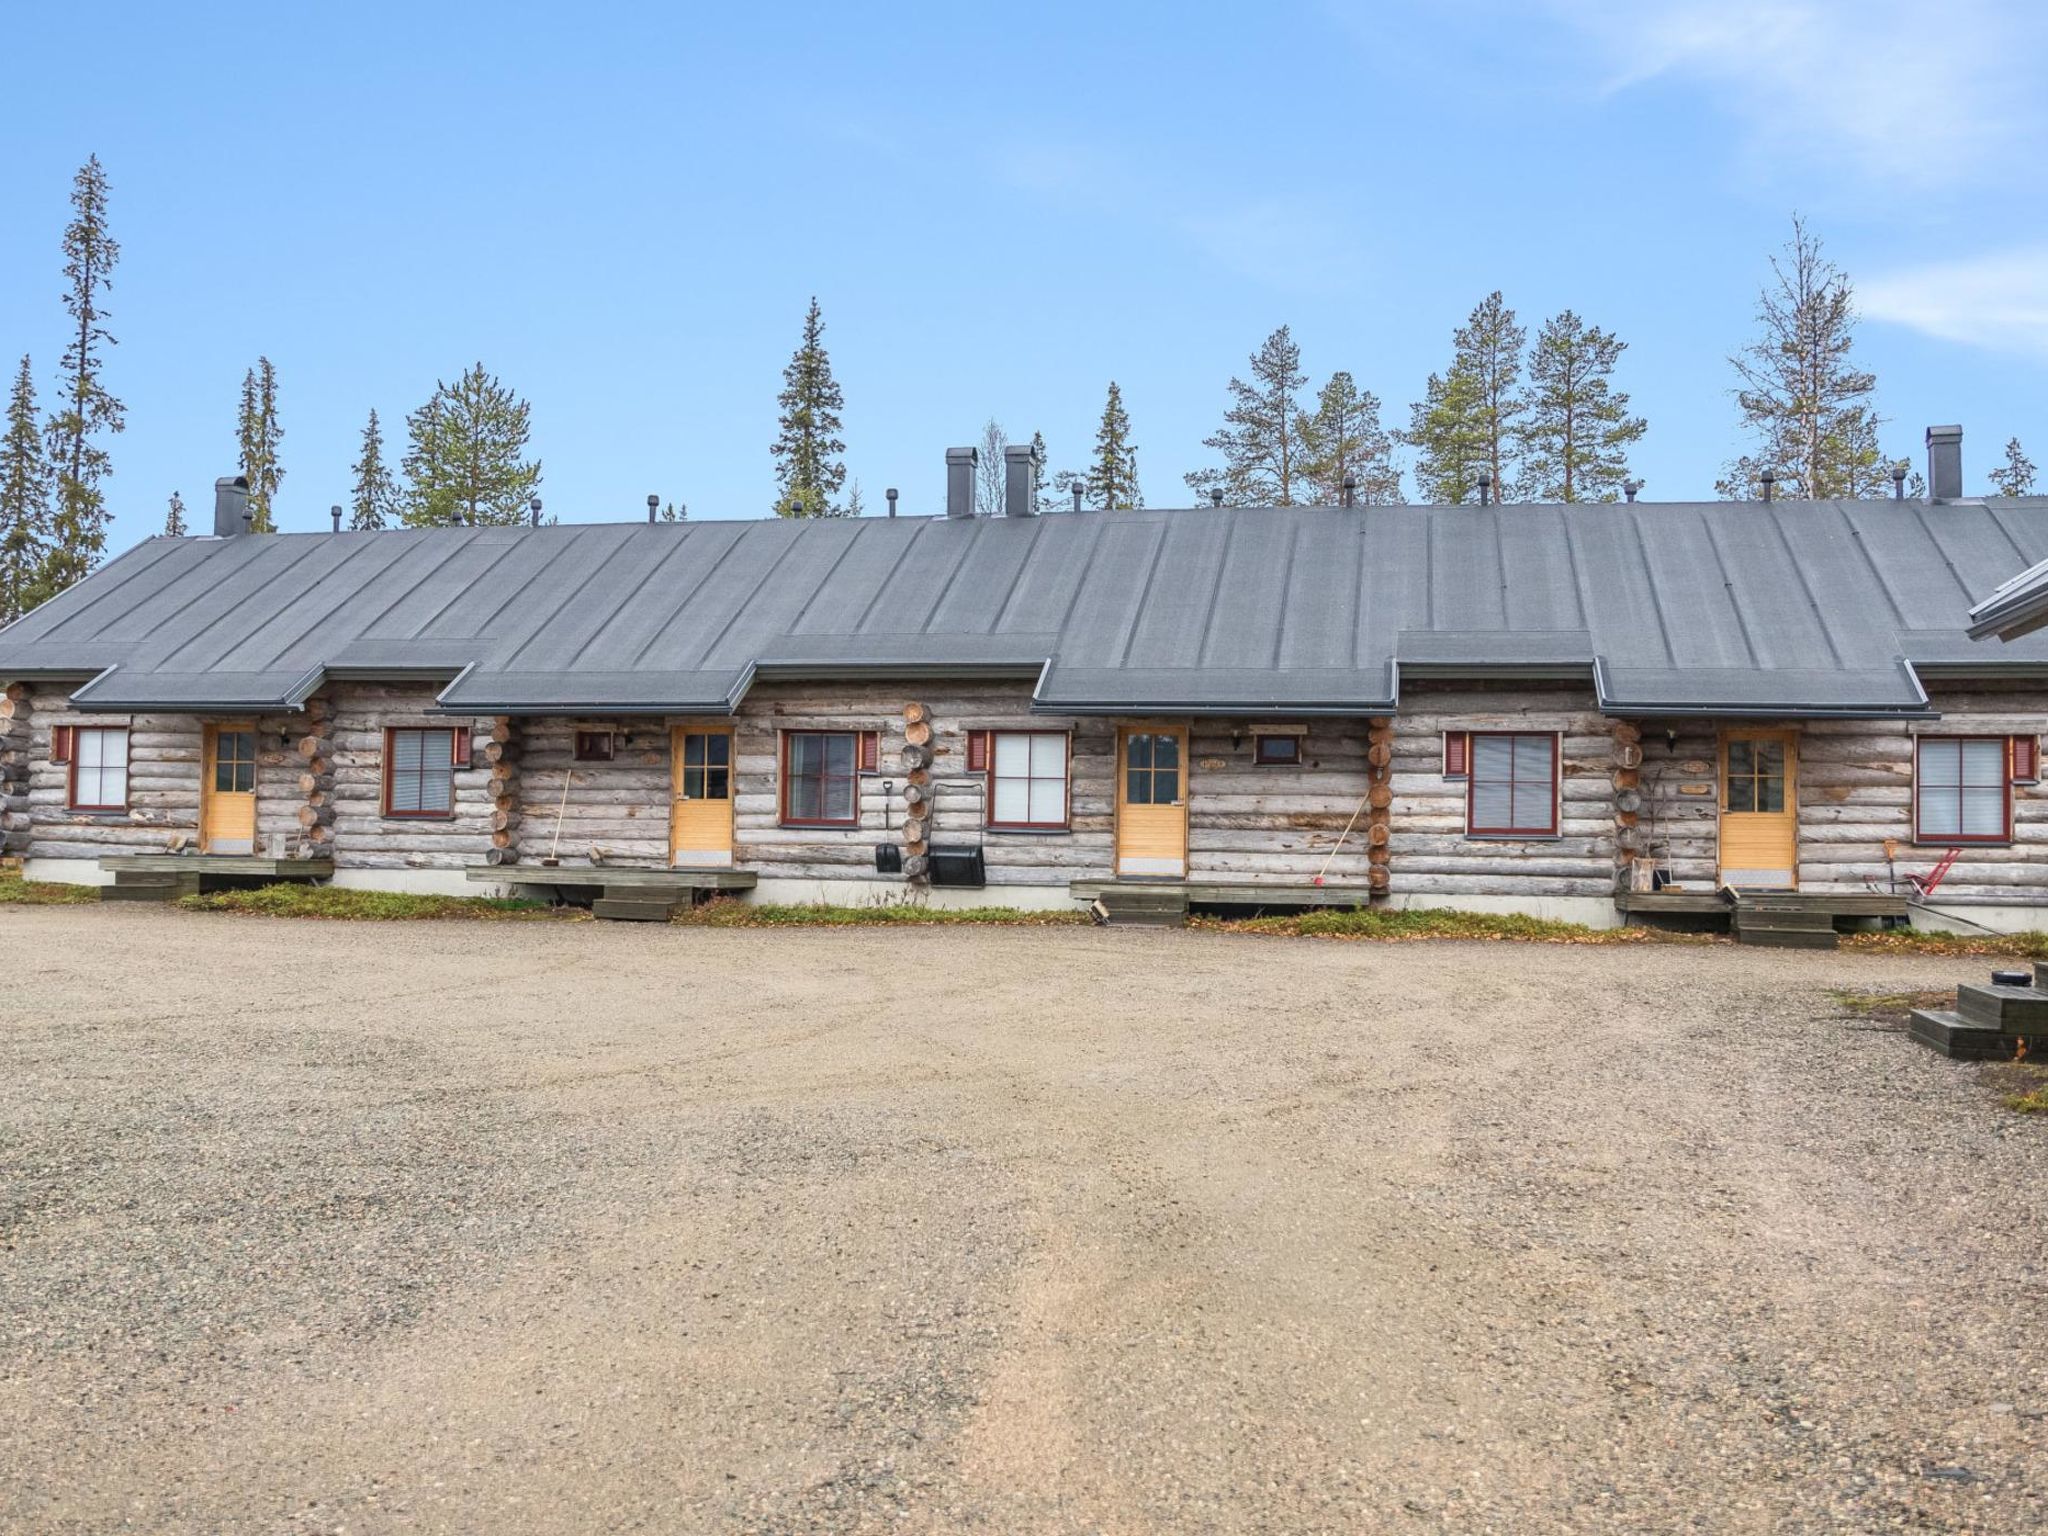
(1920, 514)
(334, 608)
(824, 580)
(683, 601)
(1734, 602)
(1016, 582)
(236, 610)
(1876, 572)
(204, 589)
(170, 546)
(1571, 564)
(619, 610)
(895, 568)
(516, 597)
(1144, 592)
(509, 664)
(1359, 549)
(946, 586)
(1215, 593)
(1286, 589)
(2019, 551)
(1081, 581)
(1820, 613)
(740, 608)
(1635, 529)
(434, 570)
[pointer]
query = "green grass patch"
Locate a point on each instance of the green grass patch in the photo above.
(1442, 923)
(1927, 941)
(17, 892)
(725, 912)
(1888, 1008)
(343, 904)
(2033, 1102)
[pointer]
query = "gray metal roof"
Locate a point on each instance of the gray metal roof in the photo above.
(2017, 609)
(1799, 608)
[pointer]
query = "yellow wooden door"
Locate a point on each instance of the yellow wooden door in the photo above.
(1760, 810)
(700, 827)
(1152, 802)
(227, 811)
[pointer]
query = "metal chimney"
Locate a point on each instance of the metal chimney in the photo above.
(1899, 481)
(1350, 489)
(1485, 487)
(1769, 480)
(1077, 495)
(230, 506)
(960, 467)
(335, 513)
(1944, 463)
(653, 507)
(533, 509)
(1020, 481)
(1630, 487)
(891, 494)
(1215, 498)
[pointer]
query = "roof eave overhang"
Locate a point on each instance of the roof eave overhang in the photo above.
(1920, 708)
(1232, 708)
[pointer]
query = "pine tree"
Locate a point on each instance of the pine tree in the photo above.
(464, 455)
(988, 471)
(1343, 437)
(808, 468)
(1577, 432)
(1112, 480)
(1260, 438)
(1047, 501)
(2016, 476)
(258, 434)
(373, 498)
(675, 512)
(78, 532)
(25, 484)
(1806, 404)
(1470, 417)
(855, 506)
(174, 519)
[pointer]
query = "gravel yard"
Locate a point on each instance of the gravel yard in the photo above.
(312, 1227)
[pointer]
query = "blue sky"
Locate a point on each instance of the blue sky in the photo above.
(623, 210)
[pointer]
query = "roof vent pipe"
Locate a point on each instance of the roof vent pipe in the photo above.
(891, 494)
(1215, 498)
(1769, 480)
(1944, 463)
(1077, 495)
(1630, 487)
(960, 467)
(533, 510)
(335, 513)
(230, 506)
(1485, 487)
(1899, 481)
(1020, 480)
(653, 506)
(1350, 489)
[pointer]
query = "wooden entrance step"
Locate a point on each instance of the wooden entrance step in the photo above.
(150, 885)
(1161, 906)
(1989, 1022)
(640, 902)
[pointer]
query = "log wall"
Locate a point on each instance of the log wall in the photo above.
(363, 836)
(1279, 823)
(163, 786)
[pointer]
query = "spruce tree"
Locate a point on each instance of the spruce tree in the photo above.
(85, 410)
(1807, 406)
(2015, 477)
(25, 483)
(464, 456)
(1470, 417)
(1260, 438)
(258, 435)
(807, 448)
(373, 496)
(1047, 502)
(988, 470)
(1112, 479)
(174, 518)
(1577, 431)
(1343, 437)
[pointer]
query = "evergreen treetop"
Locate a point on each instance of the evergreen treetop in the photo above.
(464, 456)
(25, 513)
(1342, 437)
(2015, 477)
(1112, 479)
(258, 435)
(1260, 438)
(174, 518)
(373, 494)
(1470, 416)
(1577, 430)
(809, 470)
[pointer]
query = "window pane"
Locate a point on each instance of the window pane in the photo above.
(1983, 812)
(1532, 759)
(693, 750)
(1493, 757)
(1013, 754)
(718, 784)
(1138, 750)
(1049, 757)
(86, 748)
(1166, 752)
(1013, 800)
(804, 799)
(1941, 762)
(1492, 805)
(1138, 787)
(1741, 794)
(1049, 801)
(113, 786)
(806, 754)
(840, 751)
(224, 777)
(406, 751)
(839, 799)
(1770, 794)
(1532, 807)
(1939, 813)
(718, 750)
(1741, 760)
(1984, 763)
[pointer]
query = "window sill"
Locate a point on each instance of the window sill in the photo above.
(415, 816)
(98, 812)
(999, 830)
(1513, 837)
(1962, 842)
(819, 826)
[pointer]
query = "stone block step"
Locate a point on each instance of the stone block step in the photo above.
(1954, 1036)
(2008, 1008)
(635, 911)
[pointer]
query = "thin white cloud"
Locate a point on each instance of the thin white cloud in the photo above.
(1998, 300)
(1901, 91)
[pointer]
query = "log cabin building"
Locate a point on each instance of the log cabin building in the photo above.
(1585, 711)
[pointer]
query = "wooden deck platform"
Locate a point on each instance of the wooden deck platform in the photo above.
(1787, 919)
(1214, 893)
(589, 876)
(166, 876)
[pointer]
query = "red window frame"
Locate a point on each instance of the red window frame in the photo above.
(458, 748)
(1457, 754)
(988, 755)
(2026, 760)
(61, 737)
(860, 756)
(1961, 839)
(1275, 749)
(1472, 784)
(71, 800)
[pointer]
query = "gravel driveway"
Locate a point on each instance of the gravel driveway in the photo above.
(508, 1228)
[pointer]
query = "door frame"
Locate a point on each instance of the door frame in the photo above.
(678, 729)
(208, 758)
(1789, 735)
(1124, 732)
